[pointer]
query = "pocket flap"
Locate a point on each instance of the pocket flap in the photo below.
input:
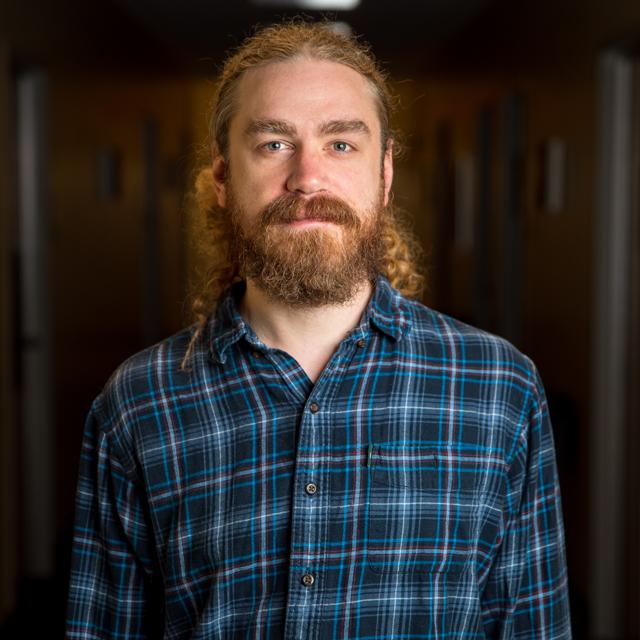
(402, 466)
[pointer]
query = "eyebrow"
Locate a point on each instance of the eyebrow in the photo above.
(278, 127)
(285, 128)
(344, 126)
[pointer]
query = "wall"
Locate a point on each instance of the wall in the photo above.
(8, 470)
(101, 243)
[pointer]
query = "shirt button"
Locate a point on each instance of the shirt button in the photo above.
(361, 342)
(311, 488)
(314, 407)
(308, 579)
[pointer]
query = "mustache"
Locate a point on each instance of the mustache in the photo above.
(289, 208)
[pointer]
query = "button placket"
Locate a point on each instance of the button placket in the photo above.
(310, 505)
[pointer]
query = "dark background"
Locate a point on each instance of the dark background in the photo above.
(503, 104)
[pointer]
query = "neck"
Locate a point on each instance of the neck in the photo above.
(309, 334)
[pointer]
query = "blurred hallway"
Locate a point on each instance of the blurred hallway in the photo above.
(520, 175)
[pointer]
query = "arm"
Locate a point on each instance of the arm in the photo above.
(526, 592)
(110, 590)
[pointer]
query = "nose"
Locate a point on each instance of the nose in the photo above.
(307, 173)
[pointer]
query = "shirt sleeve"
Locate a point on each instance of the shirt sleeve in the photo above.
(112, 586)
(526, 594)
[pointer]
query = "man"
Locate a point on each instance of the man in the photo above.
(319, 456)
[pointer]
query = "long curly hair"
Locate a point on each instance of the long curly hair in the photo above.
(296, 38)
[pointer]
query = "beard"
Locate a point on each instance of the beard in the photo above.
(312, 266)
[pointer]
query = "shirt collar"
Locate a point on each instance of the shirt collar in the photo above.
(386, 311)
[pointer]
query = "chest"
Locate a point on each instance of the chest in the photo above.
(396, 455)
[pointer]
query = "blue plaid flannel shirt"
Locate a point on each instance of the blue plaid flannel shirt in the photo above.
(411, 492)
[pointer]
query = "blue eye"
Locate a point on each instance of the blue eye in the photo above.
(343, 147)
(274, 145)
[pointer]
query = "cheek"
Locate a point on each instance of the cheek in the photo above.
(364, 190)
(258, 183)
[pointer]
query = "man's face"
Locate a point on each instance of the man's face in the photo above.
(305, 179)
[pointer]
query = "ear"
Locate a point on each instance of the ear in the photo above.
(220, 179)
(387, 170)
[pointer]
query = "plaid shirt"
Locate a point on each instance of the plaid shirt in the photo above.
(410, 493)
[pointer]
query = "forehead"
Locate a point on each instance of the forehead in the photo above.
(306, 92)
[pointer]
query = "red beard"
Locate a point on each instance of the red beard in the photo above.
(311, 266)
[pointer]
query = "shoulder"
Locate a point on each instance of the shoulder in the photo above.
(479, 373)
(144, 381)
(467, 347)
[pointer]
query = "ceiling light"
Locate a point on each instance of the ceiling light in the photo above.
(322, 5)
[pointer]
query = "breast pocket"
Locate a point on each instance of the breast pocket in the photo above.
(420, 513)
